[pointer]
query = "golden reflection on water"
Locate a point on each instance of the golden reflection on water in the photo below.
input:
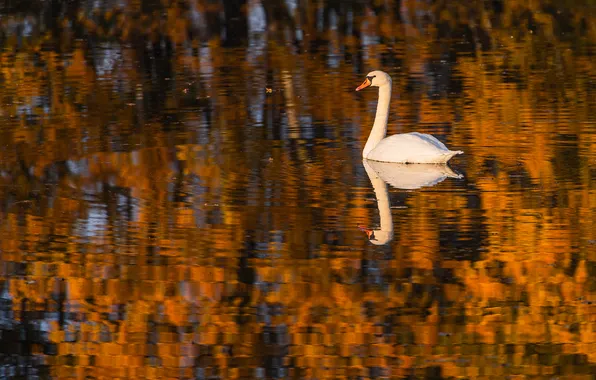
(177, 202)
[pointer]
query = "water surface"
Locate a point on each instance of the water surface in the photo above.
(182, 193)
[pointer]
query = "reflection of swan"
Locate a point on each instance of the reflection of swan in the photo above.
(401, 176)
(414, 148)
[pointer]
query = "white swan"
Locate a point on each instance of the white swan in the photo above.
(406, 148)
(400, 176)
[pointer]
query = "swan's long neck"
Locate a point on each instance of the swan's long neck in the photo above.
(379, 130)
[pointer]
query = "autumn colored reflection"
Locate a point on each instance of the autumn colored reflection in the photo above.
(181, 190)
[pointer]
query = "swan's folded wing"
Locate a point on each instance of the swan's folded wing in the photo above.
(429, 139)
(411, 148)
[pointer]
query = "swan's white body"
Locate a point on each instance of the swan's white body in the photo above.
(406, 148)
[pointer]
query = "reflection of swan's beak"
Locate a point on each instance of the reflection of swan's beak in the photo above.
(364, 84)
(370, 234)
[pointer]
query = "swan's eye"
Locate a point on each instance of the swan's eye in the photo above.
(372, 233)
(370, 78)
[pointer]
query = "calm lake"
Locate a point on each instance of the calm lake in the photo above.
(183, 194)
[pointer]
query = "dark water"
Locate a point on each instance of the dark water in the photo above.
(182, 193)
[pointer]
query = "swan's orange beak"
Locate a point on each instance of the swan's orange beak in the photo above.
(364, 84)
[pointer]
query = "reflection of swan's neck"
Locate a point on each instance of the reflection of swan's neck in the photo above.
(379, 129)
(383, 204)
(385, 233)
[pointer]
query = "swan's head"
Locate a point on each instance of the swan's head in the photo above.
(375, 78)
